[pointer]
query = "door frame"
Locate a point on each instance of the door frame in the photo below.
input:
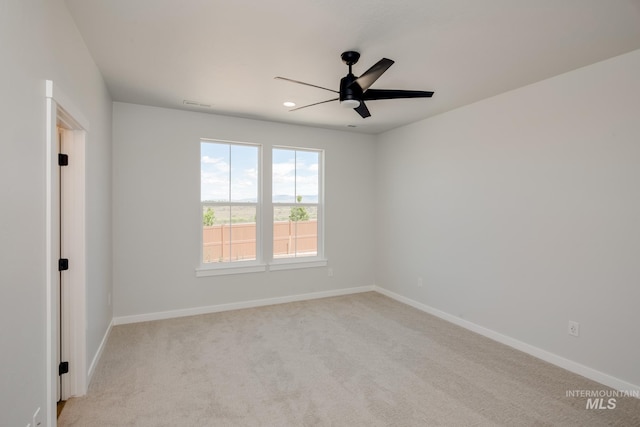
(61, 111)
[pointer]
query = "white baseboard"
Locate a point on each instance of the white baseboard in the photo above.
(554, 359)
(122, 320)
(98, 355)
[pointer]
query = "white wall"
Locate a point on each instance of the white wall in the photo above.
(521, 212)
(156, 169)
(39, 41)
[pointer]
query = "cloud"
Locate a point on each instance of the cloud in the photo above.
(252, 173)
(287, 179)
(288, 176)
(283, 170)
(214, 163)
(210, 160)
(215, 185)
(214, 178)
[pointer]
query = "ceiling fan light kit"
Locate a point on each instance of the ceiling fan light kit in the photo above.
(350, 103)
(355, 90)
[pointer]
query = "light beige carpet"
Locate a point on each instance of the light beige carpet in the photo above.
(358, 360)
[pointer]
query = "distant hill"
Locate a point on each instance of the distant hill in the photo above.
(276, 199)
(287, 199)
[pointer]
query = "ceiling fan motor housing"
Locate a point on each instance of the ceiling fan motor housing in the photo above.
(350, 94)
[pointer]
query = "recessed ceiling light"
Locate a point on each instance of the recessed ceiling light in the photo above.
(289, 104)
(196, 104)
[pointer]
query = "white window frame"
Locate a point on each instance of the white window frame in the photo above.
(264, 219)
(319, 259)
(234, 267)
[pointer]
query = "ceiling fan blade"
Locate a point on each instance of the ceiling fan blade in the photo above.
(363, 110)
(317, 103)
(372, 94)
(373, 73)
(303, 83)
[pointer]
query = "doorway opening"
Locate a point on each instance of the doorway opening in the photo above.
(66, 257)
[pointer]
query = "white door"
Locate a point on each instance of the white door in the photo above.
(63, 281)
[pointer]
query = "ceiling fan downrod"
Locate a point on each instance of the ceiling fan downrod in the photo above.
(349, 94)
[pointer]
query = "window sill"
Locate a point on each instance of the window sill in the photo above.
(291, 264)
(220, 271)
(283, 264)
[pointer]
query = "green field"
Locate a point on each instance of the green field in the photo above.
(245, 214)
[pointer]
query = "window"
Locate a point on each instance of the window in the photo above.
(229, 197)
(233, 211)
(296, 199)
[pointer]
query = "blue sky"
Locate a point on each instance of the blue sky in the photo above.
(219, 162)
(294, 173)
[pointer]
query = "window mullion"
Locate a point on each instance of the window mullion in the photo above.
(295, 201)
(230, 207)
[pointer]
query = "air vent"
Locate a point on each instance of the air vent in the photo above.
(196, 104)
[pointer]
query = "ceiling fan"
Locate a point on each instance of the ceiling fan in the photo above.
(355, 90)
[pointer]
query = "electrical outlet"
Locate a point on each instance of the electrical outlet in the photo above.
(419, 282)
(330, 271)
(574, 328)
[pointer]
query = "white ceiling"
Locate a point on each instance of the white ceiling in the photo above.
(227, 53)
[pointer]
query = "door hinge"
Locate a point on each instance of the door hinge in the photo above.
(63, 159)
(63, 264)
(63, 368)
